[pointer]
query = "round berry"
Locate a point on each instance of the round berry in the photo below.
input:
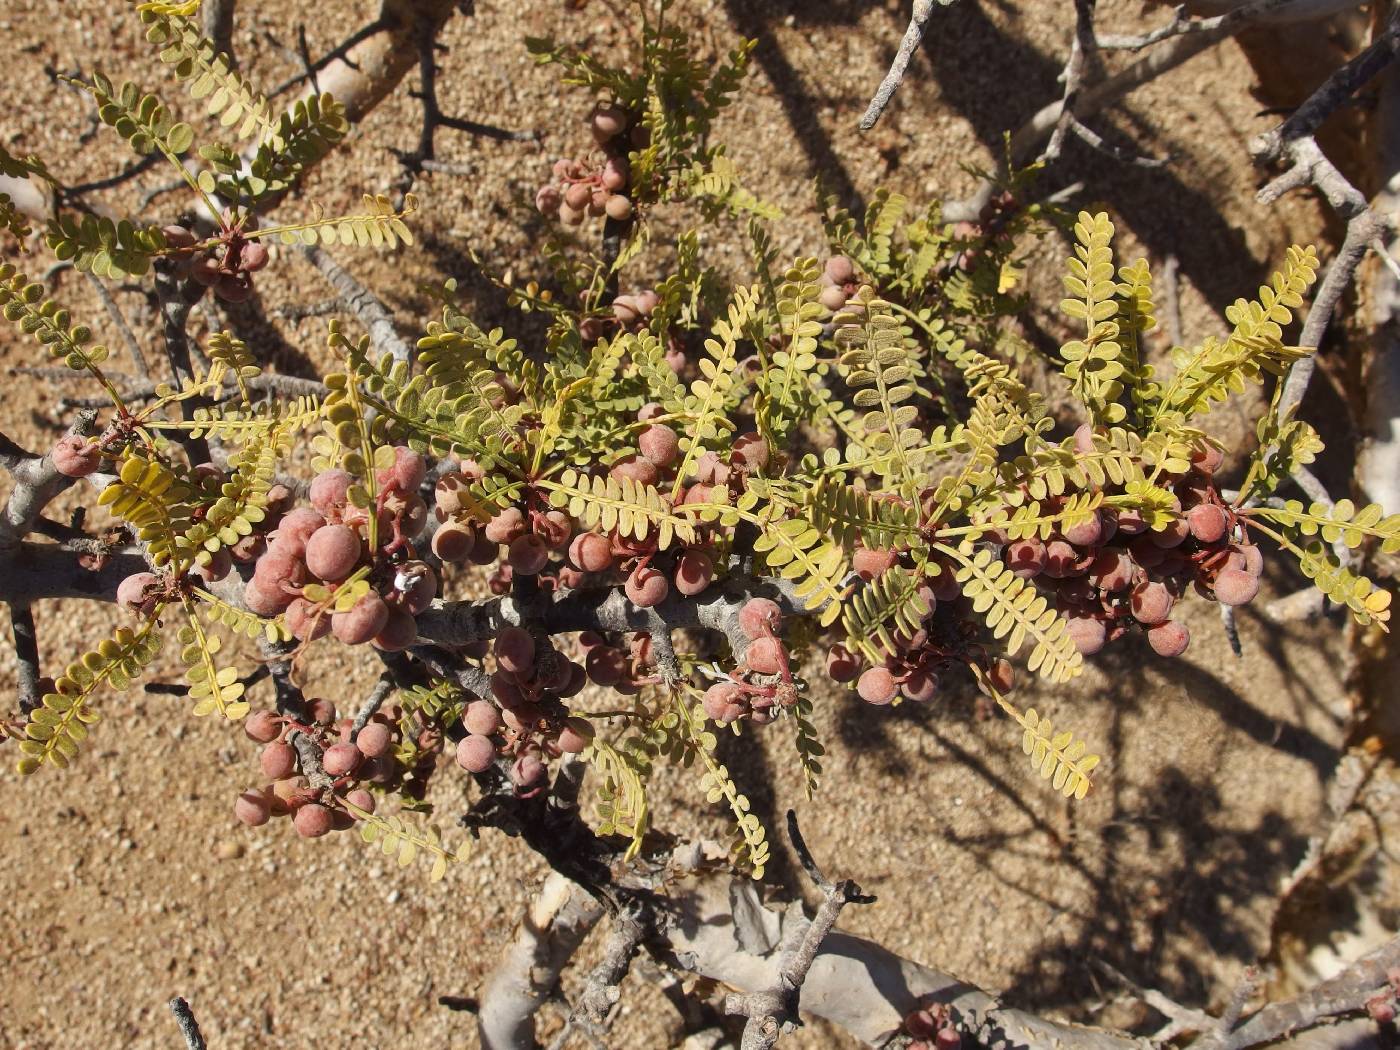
(606, 665)
(694, 571)
(361, 799)
(528, 554)
(1025, 558)
(646, 587)
(1236, 586)
(332, 551)
(1207, 522)
(263, 726)
(341, 759)
(591, 552)
(481, 718)
(374, 740)
(277, 760)
(1151, 604)
(1169, 639)
(1088, 533)
(750, 450)
(840, 269)
(302, 621)
(659, 444)
(475, 754)
(253, 807)
(313, 820)
(920, 687)
(362, 621)
(1087, 633)
(871, 563)
(506, 525)
(515, 650)
(841, 664)
(576, 735)
(876, 686)
(400, 631)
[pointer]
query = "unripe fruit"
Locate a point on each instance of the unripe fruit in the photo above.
(694, 571)
(74, 456)
(646, 587)
(876, 686)
(639, 469)
(591, 552)
(1236, 586)
(139, 593)
(253, 807)
(277, 760)
(263, 726)
(481, 718)
(328, 491)
(841, 665)
(528, 555)
(362, 621)
(374, 740)
(400, 631)
(1169, 639)
(313, 820)
(1087, 633)
(506, 526)
(759, 617)
(723, 702)
(475, 754)
(576, 735)
(765, 656)
(1207, 522)
(659, 444)
(341, 759)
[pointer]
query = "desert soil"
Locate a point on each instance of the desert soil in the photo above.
(125, 880)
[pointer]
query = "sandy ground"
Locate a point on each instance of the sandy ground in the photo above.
(126, 881)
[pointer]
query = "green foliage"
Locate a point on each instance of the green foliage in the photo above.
(97, 245)
(406, 841)
(59, 724)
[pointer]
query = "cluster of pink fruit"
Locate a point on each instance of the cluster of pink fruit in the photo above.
(593, 187)
(762, 683)
(354, 758)
(1111, 573)
(931, 1028)
(227, 268)
(531, 725)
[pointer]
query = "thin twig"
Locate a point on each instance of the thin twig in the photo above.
(27, 652)
(913, 36)
(189, 1027)
(119, 319)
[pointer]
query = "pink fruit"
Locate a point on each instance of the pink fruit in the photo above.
(481, 718)
(591, 552)
(277, 760)
(1207, 522)
(362, 621)
(263, 726)
(765, 655)
(341, 759)
(475, 754)
(374, 740)
(139, 593)
(723, 702)
(74, 456)
(1169, 639)
(694, 571)
(1236, 586)
(646, 587)
(841, 665)
(253, 807)
(328, 491)
(400, 631)
(876, 686)
(313, 820)
(759, 617)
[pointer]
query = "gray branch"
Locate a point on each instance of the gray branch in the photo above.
(363, 303)
(913, 36)
(189, 1027)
